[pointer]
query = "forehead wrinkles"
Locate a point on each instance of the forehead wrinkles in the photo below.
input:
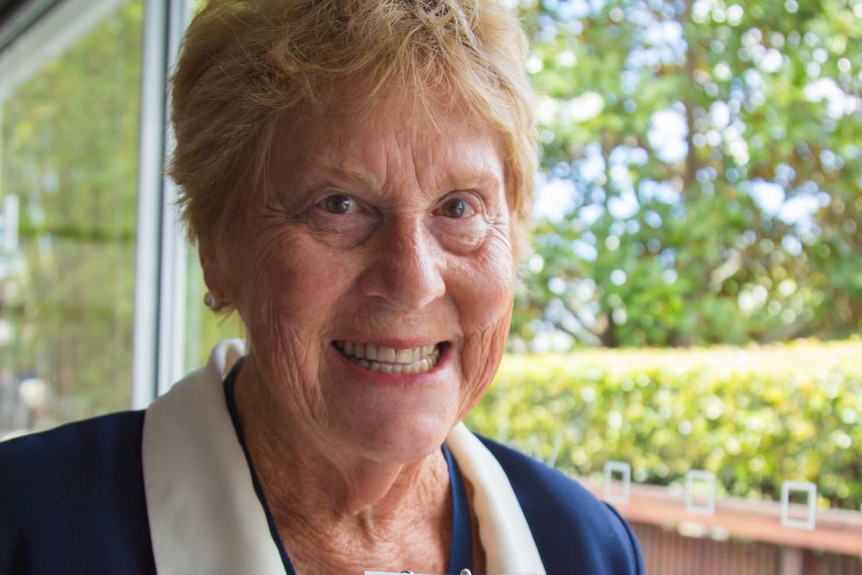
(335, 143)
(393, 144)
(423, 159)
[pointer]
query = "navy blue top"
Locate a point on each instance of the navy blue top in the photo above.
(72, 501)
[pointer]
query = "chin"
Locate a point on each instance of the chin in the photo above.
(405, 439)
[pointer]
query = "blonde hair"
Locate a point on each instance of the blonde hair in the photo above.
(246, 63)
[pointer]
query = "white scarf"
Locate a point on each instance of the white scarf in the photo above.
(206, 518)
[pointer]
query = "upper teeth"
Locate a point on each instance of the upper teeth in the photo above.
(389, 359)
(383, 353)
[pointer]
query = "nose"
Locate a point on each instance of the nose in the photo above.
(406, 268)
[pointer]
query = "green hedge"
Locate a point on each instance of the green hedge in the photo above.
(753, 416)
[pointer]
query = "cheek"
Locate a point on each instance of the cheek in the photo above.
(485, 318)
(288, 294)
(287, 300)
(482, 353)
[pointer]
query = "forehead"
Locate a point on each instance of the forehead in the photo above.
(440, 137)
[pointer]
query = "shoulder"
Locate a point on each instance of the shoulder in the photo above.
(572, 528)
(74, 495)
(72, 453)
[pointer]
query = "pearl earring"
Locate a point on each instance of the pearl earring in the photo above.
(211, 301)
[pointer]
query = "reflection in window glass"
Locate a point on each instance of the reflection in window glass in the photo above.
(68, 189)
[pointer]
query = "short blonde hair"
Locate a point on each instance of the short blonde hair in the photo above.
(245, 64)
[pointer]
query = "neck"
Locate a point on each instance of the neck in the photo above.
(326, 500)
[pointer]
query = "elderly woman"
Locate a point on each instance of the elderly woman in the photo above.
(357, 175)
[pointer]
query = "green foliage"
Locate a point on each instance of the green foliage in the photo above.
(754, 416)
(713, 153)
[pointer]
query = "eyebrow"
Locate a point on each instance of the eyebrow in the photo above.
(473, 179)
(367, 179)
(465, 176)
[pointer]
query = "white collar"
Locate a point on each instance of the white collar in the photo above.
(205, 516)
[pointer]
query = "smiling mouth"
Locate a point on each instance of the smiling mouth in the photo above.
(385, 359)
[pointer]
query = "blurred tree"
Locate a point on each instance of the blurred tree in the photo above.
(70, 148)
(702, 172)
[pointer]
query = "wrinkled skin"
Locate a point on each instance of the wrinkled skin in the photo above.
(388, 228)
(384, 227)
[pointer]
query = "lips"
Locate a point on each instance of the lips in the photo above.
(385, 359)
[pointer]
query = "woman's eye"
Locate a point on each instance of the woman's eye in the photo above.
(456, 208)
(339, 204)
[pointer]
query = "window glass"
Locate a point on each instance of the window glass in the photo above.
(68, 169)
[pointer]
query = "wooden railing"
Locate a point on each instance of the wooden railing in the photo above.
(666, 552)
(738, 538)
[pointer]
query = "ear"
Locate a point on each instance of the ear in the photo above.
(216, 268)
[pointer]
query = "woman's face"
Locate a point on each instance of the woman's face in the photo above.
(376, 280)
